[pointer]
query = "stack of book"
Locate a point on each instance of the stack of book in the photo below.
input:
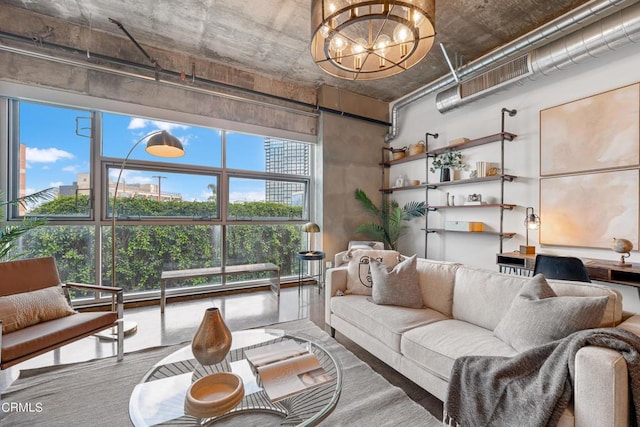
(286, 368)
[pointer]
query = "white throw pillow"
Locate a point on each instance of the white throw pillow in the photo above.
(359, 280)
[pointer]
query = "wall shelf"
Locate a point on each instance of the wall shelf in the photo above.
(407, 187)
(405, 159)
(488, 205)
(504, 235)
(428, 187)
(508, 178)
(502, 136)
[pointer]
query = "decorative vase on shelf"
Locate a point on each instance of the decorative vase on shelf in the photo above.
(445, 174)
(212, 340)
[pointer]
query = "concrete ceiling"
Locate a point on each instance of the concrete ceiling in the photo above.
(272, 37)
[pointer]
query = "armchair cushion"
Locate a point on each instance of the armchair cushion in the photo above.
(29, 308)
(33, 340)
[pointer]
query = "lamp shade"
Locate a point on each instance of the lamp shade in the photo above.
(311, 227)
(163, 144)
(531, 220)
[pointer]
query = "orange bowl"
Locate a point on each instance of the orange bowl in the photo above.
(214, 395)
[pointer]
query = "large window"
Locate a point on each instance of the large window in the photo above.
(52, 149)
(232, 199)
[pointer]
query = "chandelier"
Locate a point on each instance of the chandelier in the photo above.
(367, 40)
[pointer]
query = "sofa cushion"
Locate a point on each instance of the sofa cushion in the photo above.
(396, 287)
(42, 336)
(436, 284)
(359, 273)
(476, 289)
(483, 297)
(383, 322)
(538, 316)
(18, 311)
(435, 346)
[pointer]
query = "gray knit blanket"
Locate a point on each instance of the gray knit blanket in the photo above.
(534, 387)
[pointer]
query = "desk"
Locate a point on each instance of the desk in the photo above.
(598, 269)
(309, 257)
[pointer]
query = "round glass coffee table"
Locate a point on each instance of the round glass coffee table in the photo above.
(159, 398)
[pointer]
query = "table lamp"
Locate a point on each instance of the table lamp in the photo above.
(310, 228)
(531, 222)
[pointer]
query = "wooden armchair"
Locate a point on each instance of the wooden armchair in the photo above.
(22, 285)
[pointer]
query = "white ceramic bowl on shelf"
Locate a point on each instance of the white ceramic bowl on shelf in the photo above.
(214, 395)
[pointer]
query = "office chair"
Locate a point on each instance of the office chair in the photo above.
(561, 267)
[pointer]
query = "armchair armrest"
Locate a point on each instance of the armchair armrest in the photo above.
(85, 286)
(117, 294)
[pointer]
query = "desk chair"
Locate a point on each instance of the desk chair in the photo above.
(561, 267)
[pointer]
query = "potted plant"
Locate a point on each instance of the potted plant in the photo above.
(445, 162)
(9, 234)
(391, 219)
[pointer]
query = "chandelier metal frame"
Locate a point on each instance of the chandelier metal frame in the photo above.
(367, 40)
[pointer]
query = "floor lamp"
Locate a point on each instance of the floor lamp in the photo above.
(161, 144)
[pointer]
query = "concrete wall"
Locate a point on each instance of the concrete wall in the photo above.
(351, 151)
(521, 158)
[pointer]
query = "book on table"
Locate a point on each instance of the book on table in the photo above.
(286, 368)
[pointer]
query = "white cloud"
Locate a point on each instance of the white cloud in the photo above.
(137, 123)
(72, 168)
(251, 196)
(56, 184)
(130, 177)
(46, 155)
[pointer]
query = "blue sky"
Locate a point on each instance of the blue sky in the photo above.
(55, 154)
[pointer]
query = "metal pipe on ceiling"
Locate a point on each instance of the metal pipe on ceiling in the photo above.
(610, 33)
(568, 22)
(304, 108)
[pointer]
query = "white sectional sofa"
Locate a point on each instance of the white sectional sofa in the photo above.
(462, 306)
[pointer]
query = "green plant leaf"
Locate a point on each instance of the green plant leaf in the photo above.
(391, 217)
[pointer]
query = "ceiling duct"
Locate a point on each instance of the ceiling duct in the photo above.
(563, 24)
(608, 34)
(487, 82)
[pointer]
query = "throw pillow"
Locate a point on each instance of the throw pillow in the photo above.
(399, 286)
(25, 309)
(537, 316)
(358, 271)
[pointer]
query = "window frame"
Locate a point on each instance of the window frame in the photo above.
(13, 161)
(99, 166)
(159, 167)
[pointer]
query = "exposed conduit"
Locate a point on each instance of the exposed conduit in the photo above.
(304, 107)
(570, 21)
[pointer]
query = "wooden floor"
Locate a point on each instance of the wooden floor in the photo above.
(241, 311)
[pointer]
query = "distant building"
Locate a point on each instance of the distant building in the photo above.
(142, 191)
(282, 156)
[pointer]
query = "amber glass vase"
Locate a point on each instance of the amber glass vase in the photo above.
(212, 340)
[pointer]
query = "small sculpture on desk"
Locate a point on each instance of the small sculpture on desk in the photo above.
(624, 247)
